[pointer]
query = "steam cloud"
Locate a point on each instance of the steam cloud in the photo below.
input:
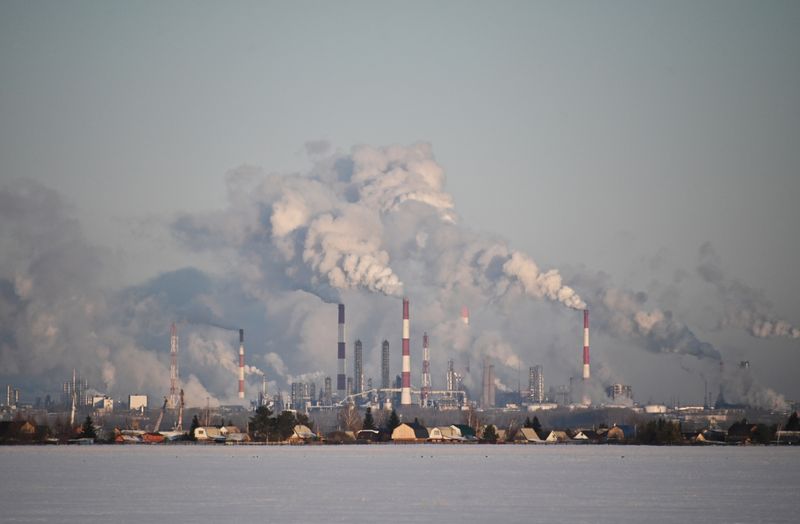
(363, 227)
(745, 307)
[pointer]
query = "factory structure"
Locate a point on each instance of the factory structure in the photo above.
(358, 390)
(460, 391)
(400, 391)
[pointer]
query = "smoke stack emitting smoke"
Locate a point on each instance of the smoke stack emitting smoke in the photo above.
(405, 392)
(241, 363)
(586, 372)
(340, 348)
(360, 223)
(425, 390)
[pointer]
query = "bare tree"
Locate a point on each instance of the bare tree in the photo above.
(349, 418)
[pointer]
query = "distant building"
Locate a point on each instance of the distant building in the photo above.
(385, 376)
(358, 367)
(77, 385)
(488, 393)
(12, 396)
(300, 395)
(328, 399)
(619, 392)
(102, 403)
(137, 403)
(536, 384)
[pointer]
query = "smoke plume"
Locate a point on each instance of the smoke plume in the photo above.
(745, 307)
(363, 227)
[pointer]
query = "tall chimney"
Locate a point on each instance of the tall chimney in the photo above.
(586, 373)
(241, 363)
(340, 377)
(173, 367)
(426, 371)
(405, 392)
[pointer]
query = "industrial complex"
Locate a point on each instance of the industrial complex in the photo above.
(138, 418)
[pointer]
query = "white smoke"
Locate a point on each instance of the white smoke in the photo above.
(362, 227)
(252, 370)
(540, 285)
(344, 226)
(745, 307)
(739, 387)
(626, 314)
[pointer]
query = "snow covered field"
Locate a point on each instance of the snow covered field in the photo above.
(389, 483)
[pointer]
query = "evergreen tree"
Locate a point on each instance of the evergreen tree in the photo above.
(369, 423)
(765, 434)
(528, 423)
(489, 434)
(261, 425)
(194, 426)
(284, 425)
(87, 430)
(536, 425)
(302, 418)
(658, 432)
(793, 424)
(393, 421)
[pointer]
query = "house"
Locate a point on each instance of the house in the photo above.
(368, 435)
(17, 430)
(579, 437)
(527, 435)
(787, 437)
(209, 433)
(742, 432)
(410, 433)
(557, 437)
(620, 433)
(301, 433)
(587, 435)
(444, 434)
(466, 432)
(340, 437)
(714, 437)
(435, 434)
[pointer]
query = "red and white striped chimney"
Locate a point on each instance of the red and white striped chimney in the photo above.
(340, 377)
(426, 371)
(586, 373)
(241, 363)
(405, 392)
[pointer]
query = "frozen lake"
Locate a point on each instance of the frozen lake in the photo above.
(412, 483)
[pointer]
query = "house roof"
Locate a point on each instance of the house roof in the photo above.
(557, 436)
(466, 431)
(303, 432)
(528, 434)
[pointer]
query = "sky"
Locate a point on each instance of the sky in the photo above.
(650, 147)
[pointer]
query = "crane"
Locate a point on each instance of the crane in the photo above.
(179, 422)
(160, 416)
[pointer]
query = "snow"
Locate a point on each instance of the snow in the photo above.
(386, 483)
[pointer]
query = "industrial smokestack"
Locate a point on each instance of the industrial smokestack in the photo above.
(426, 371)
(385, 375)
(241, 363)
(465, 315)
(586, 372)
(340, 377)
(405, 392)
(173, 367)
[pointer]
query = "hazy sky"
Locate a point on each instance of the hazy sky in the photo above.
(595, 136)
